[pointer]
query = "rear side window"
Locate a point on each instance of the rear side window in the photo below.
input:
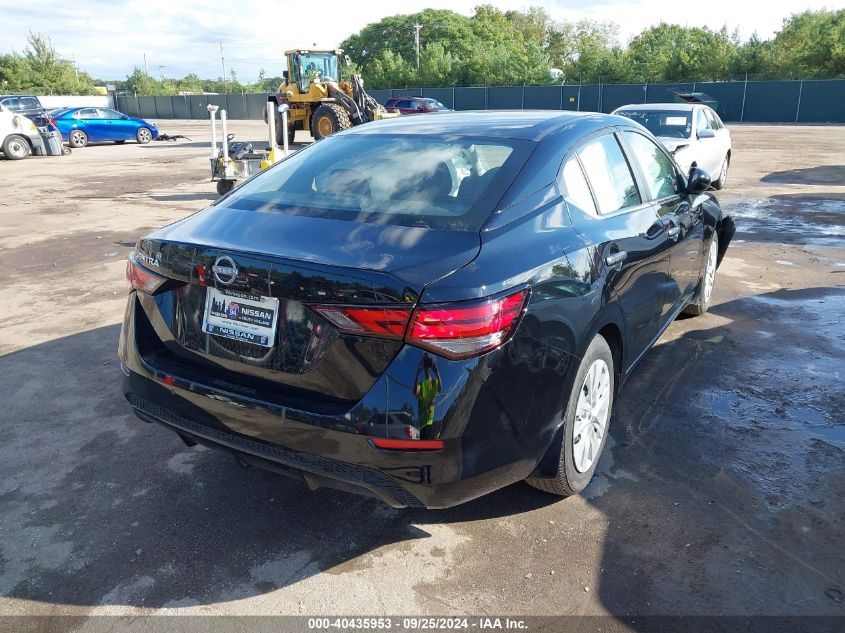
(29, 103)
(390, 179)
(609, 174)
(88, 113)
(577, 190)
(402, 104)
(13, 103)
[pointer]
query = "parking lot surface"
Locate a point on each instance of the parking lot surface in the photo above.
(722, 492)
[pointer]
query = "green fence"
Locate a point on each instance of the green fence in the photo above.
(808, 101)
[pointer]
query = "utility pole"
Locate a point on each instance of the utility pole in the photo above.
(75, 69)
(417, 28)
(161, 72)
(223, 63)
(146, 68)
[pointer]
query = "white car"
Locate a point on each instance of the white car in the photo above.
(693, 133)
(19, 137)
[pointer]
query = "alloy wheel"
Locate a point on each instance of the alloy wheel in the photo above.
(144, 135)
(591, 416)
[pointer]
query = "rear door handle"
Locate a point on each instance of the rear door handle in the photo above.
(616, 258)
(673, 231)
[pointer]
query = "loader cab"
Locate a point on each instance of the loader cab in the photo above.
(303, 65)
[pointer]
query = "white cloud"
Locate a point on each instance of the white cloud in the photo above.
(109, 37)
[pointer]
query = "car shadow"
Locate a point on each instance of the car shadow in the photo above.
(705, 491)
(727, 449)
(102, 508)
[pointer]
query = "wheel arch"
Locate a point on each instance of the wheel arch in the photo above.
(611, 328)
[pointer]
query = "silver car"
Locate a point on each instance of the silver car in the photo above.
(693, 133)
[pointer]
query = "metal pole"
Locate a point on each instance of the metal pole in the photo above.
(800, 92)
(417, 28)
(223, 63)
(285, 128)
(453, 98)
(213, 132)
(271, 123)
(578, 108)
(523, 97)
(225, 131)
(486, 99)
(744, 91)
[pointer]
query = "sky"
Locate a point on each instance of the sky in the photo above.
(107, 38)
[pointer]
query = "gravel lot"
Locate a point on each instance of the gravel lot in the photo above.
(722, 492)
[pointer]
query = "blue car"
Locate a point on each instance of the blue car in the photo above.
(80, 126)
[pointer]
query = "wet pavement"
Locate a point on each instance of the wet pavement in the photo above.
(722, 492)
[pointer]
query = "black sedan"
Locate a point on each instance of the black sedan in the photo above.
(424, 309)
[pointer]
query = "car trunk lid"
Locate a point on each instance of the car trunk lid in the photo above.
(265, 267)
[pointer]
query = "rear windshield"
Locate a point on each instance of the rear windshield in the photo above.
(666, 123)
(406, 180)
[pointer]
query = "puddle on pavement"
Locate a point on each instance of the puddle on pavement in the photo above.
(797, 219)
(822, 311)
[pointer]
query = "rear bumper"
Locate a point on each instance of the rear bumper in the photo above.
(322, 457)
(314, 470)
(486, 445)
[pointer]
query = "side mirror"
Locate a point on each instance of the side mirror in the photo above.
(125, 117)
(285, 75)
(698, 180)
(707, 133)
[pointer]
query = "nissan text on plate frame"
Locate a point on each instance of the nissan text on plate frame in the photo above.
(423, 310)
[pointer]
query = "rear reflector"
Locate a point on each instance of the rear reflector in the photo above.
(457, 330)
(406, 445)
(466, 329)
(140, 278)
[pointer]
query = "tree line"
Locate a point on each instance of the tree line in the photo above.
(520, 47)
(492, 47)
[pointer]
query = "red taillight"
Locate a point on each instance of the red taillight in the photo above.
(373, 321)
(466, 329)
(407, 445)
(140, 278)
(456, 331)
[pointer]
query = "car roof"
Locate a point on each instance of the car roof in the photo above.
(530, 125)
(17, 95)
(687, 107)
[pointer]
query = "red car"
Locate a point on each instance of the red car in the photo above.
(415, 105)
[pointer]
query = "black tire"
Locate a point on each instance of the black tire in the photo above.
(225, 186)
(568, 481)
(280, 135)
(701, 301)
(77, 138)
(119, 142)
(328, 119)
(723, 174)
(16, 147)
(143, 135)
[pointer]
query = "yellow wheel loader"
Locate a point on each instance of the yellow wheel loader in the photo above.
(318, 101)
